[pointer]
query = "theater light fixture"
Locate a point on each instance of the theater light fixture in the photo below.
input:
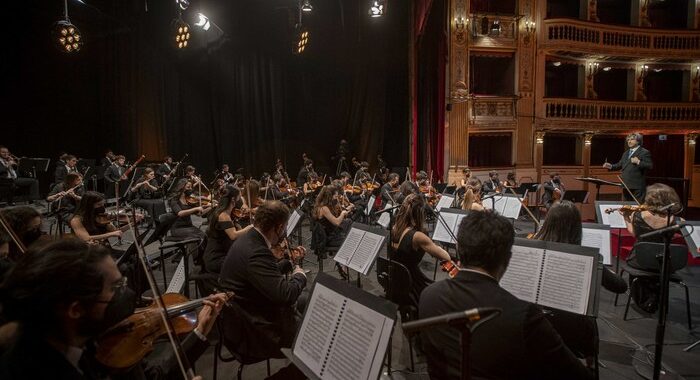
(66, 36)
(496, 26)
(377, 8)
(182, 4)
(302, 40)
(181, 31)
(607, 68)
(306, 6)
(203, 21)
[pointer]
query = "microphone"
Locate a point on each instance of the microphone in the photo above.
(667, 207)
(660, 231)
(385, 210)
(470, 316)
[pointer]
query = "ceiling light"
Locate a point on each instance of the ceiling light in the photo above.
(306, 6)
(607, 68)
(377, 8)
(202, 21)
(556, 64)
(181, 31)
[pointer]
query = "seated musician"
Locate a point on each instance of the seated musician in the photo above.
(306, 169)
(472, 196)
(311, 184)
(410, 242)
(553, 190)
(225, 174)
(164, 169)
(563, 225)
(89, 222)
(510, 180)
(645, 291)
(333, 218)
(280, 190)
(65, 196)
(108, 158)
(518, 344)
(63, 170)
(148, 195)
(271, 301)
(184, 205)
(62, 296)
(389, 190)
(493, 184)
(467, 174)
(222, 230)
(355, 194)
(114, 176)
(8, 171)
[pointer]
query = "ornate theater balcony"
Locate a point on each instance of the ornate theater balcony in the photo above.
(577, 113)
(566, 35)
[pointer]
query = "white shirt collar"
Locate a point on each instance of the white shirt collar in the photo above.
(632, 150)
(73, 355)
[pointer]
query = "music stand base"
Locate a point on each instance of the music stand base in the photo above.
(646, 371)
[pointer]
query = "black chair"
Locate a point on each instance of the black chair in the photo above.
(7, 189)
(318, 243)
(648, 256)
(396, 280)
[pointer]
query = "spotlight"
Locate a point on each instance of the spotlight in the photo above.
(377, 8)
(66, 36)
(203, 22)
(607, 68)
(302, 41)
(182, 33)
(306, 6)
(556, 64)
(182, 4)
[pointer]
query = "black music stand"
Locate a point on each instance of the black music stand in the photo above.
(576, 196)
(33, 165)
(598, 183)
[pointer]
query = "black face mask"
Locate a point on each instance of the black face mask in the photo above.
(31, 236)
(120, 307)
(100, 210)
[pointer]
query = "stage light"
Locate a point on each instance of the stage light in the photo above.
(203, 22)
(306, 6)
(181, 33)
(302, 40)
(182, 4)
(377, 8)
(607, 68)
(66, 36)
(556, 64)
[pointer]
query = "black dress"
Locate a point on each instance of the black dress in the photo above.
(183, 227)
(411, 258)
(218, 244)
(150, 200)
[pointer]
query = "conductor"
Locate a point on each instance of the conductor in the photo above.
(633, 164)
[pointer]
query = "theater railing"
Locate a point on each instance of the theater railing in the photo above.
(619, 112)
(493, 107)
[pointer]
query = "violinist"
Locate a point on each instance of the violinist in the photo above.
(63, 296)
(8, 170)
(86, 223)
(493, 185)
(355, 194)
(65, 196)
(114, 176)
(553, 190)
(305, 171)
(390, 189)
(510, 181)
(281, 190)
(225, 174)
(410, 242)
(63, 170)
(183, 204)
(362, 174)
(148, 195)
(333, 218)
(472, 196)
(312, 184)
(222, 230)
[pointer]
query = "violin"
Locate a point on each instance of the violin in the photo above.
(450, 267)
(121, 217)
(128, 342)
(204, 201)
(356, 190)
(628, 208)
(295, 255)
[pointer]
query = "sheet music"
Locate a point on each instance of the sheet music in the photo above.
(596, 238)
(522, 276)
(315, 333)
(694, 238)
(178, 280)
(352, 353)
(614, 219)
(370, 204)
(349, 245)
(292, 222)
(366, 252)
(444, 202)
(451, 220)
(385, 219)
(566, 281)
(511, 207)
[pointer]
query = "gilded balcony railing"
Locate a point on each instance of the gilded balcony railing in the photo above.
(493, 107)
(611, 111)
(570, 34)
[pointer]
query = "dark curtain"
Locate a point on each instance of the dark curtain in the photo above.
(559, 150)
(490, 151)
(243, 99)
(608, 148)
(431, 51)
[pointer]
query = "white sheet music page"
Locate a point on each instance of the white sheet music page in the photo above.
(349, 246)
(316, 331)
(292, 222)
(385, 218)
(444, 202)
(566, 281)
(694, 236)
(596, 238)
(366, 252)
(354, 350)
(523, 274)
(370, 204)
(440, 233)
(614, 219)
(511, 208)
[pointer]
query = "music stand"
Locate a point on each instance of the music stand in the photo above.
(32, 165)
(576, 196)
(598, 183)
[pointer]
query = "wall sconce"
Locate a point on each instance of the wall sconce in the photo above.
(496, 26)
(593, 68)
(529, 26)
(587, 138)
(461, 22)
(539, 137)
(644, 71)
(697, 72)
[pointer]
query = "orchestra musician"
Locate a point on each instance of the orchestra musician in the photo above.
(493, 184)
(191, 174)
(466, 175)
(225, 174)
(25, 221)
(305, 171)
(333, 218)
(70, 166)
(8, 171)
(521, 334)
(510, 181)
(183, 204)
(164, 169)
(148, 195)
(65, 196)
(410, 242)
(107, 160)
(86, 222)
(390, 189)
(114, 176)
(634, 164)
(472, 196)
(553, 190)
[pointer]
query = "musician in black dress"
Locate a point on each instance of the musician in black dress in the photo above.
(410, 243)
(182, 205)
(65, 196)
(148, 195)
(222, 230)
(634, 164)
(86, 224)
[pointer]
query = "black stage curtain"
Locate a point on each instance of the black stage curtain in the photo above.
(243, 99)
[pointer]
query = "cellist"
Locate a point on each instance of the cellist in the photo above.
(553, 190)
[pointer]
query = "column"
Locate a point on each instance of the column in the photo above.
(586, 157)
(689, 160)
(539, 153)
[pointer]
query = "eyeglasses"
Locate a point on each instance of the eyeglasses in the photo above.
(117, 287)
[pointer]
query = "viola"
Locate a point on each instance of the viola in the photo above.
(128, 342)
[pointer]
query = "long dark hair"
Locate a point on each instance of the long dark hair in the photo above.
(228, 196)
(562, 224)
(86, 209)
(324, 198)
(411, 215)
(177, 189)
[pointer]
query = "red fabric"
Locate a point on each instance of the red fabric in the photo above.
(628, 240)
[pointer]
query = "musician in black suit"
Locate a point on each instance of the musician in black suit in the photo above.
(70, 166)
(492, 184)
(107, 160)
(164, 169)
(8, 173)
(114, 175)
(389, 190)
(518, 344)
(634, 164)
(551, 188)
(253, 271)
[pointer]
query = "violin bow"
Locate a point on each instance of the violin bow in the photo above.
(13, 235)
(537, 222)
(628, 190)
(182, 360)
